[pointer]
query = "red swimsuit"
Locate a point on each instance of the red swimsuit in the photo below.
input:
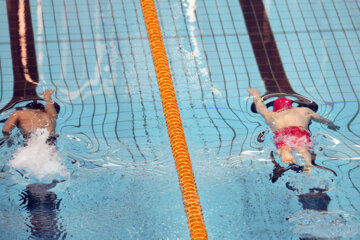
(292, 136)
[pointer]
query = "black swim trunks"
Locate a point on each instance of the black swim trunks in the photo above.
(51, 140)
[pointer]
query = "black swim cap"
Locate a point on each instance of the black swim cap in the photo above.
(35, 105)
(57, 107)
(40, 106)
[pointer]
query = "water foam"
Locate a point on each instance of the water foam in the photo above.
(324, 224)
(38, 159)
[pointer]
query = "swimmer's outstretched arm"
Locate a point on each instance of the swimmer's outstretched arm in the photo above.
(49, 108)
(318, 118)
(260, 106)
(10, 124)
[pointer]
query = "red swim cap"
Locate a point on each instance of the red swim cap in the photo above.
(282, 104)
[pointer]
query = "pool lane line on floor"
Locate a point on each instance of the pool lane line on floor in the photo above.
(267, 55)
(26, 77)
(176, 134)
(264, 47)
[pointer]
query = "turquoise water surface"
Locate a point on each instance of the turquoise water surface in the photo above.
(120, 176)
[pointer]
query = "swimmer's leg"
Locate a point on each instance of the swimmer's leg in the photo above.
(313, 164)
(286, 155)
(307, 155)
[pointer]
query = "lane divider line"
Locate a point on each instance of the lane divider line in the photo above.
(176, 134)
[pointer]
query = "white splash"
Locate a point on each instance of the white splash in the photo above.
(39, 159)
(196, 53)
(216, 91)
(190, 11)
(97, 84)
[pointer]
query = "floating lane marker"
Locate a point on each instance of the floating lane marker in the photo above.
(173, 121)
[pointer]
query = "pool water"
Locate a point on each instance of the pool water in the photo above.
(119, 179)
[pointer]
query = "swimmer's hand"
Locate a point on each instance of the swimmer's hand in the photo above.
(253, 91)
(332, 126)
(47, 95)
(6, 135)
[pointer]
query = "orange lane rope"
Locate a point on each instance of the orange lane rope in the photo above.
(175, 129)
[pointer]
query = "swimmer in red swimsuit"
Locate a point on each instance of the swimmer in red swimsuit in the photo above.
(289, 126)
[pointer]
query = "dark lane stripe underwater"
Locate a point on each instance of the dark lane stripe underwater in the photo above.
(264, 47)
(23, 52)
(267, 54)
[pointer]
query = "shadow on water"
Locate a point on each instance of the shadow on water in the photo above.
(315, 221)
(316, 200)
(278, 170)
(43, 207)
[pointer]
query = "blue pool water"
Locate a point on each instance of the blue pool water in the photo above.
(121, 181)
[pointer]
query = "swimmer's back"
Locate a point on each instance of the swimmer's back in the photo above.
(299, 117)
(30, 120)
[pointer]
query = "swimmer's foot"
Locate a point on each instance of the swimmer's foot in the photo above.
(307, 168)
(287, 157)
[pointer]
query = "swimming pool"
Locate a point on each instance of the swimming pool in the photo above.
(113, 139)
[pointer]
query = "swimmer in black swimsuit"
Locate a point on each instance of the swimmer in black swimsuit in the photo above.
(35, 116)
(51, 140)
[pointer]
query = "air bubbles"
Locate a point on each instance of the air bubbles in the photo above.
(323, 224)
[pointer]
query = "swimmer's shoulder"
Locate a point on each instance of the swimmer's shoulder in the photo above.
(304, 110)
(20, 111)
(16, 113)
(21, 114)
